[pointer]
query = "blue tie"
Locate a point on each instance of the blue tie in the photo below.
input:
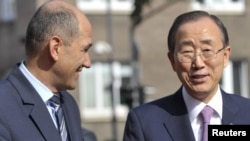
(55, 102)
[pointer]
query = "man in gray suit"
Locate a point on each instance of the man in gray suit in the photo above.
(58, 39)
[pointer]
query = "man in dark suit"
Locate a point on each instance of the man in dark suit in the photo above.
(57, 42)
(199, 50)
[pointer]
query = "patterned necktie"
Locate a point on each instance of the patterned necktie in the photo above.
(206, 113)
(55, 102)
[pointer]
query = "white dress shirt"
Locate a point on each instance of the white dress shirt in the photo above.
(195, 106)
(44, 92)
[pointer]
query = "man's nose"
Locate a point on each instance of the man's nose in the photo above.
(198, 60)
(87, 61)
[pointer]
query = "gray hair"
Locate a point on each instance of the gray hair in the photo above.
(47, 22)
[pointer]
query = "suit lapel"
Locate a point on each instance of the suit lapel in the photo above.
(67, 118)
(179, 128)
(42, 119)
(70, 113)
(33, 106)
(230, 109)
(178, 124)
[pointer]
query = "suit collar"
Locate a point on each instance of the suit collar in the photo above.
(72, 122)
(179, 128)
(23, 86)
(230, 108)
(44, 123)
(33, 105)
(68, 118)
(44, 92)
(178, 125)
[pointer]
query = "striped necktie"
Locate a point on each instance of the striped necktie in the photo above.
(55, 103)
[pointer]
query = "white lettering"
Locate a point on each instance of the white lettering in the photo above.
(216, 132)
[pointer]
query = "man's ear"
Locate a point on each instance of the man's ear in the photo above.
(227, 53)
(55, 44)
(171, 59)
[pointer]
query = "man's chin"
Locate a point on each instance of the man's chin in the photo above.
(71, 87)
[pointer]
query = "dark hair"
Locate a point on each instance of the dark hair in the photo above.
(193, 16)
(47, 22)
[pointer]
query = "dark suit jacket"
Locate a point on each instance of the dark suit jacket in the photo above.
(167, 119)
(88, 135)
(25, 117)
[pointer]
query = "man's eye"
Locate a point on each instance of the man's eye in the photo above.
(84, 49)
(187, 52)
(207, 50)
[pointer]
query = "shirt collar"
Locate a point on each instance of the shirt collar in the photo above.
(44, 92)
(195, 106)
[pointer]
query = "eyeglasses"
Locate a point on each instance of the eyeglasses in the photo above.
(189, 56)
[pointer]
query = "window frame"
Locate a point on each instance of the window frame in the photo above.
(101, 6)
(8, 10)
(222, 7)
(235, 78)
(101, 111)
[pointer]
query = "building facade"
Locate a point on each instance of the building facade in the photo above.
(104, 108)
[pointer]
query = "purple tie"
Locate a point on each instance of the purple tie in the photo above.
(206, 114)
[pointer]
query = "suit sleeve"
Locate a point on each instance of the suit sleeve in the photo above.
(133, 129)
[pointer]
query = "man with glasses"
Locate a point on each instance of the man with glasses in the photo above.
(199, 51)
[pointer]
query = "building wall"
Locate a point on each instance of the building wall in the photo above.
(12, 34)
(151, 36)
(121, 48)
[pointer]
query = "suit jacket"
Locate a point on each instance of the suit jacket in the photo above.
(88, 135)
(25, 117)
(167, 119)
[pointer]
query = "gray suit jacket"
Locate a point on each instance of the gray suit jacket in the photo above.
(24, 116)
(167, 119)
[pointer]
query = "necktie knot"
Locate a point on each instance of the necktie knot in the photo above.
(54, 102)
(55, 99)
(207, 113)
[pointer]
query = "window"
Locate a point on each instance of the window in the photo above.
(235, 78)
(219, 6)
(94, 89)
(8, 10)
(101, 6)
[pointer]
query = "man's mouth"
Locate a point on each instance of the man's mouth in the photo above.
(79, 69)
(198, 78)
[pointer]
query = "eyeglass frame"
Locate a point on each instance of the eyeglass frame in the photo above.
(201, 55)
